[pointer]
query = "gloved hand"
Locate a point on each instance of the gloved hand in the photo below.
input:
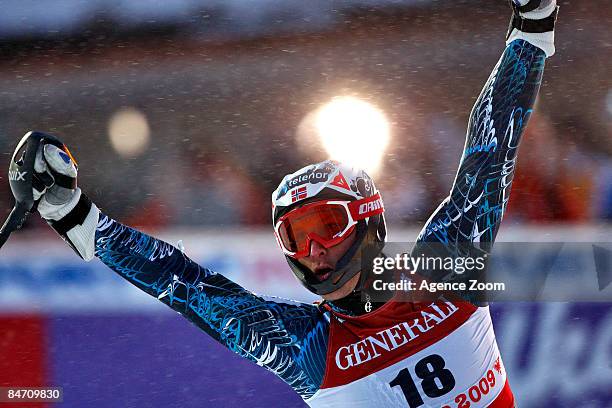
(534, 21)
(60, 201)
(535, 9)
(54, 182)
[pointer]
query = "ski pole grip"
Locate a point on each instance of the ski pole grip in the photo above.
(14, 221)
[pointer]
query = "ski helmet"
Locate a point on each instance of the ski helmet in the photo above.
(329, 180)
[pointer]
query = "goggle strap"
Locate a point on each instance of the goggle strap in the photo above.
(366, 207)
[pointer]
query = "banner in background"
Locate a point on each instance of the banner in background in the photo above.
(93, 328)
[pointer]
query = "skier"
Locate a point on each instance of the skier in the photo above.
(335, 353)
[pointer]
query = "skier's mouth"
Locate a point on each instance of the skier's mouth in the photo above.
(323, 273)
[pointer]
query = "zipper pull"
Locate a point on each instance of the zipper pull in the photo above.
(368, 304)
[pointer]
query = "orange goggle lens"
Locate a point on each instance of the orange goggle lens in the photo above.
(325, 221)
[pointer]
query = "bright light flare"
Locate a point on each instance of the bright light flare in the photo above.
(353, 132)
(129, 132)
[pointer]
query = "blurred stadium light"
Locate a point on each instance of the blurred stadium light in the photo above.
(354, 132)
(129, 132)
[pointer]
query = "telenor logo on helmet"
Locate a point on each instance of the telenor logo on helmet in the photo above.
(313, 177)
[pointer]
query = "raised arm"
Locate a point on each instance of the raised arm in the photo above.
(479, 195)
(285, 337)
(474, 209)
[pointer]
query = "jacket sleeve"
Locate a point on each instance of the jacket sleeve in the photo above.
(475, 206)
(285, 337)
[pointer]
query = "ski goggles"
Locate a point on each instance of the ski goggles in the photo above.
(327, 222)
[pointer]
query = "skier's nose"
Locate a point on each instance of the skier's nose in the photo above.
(317, 250)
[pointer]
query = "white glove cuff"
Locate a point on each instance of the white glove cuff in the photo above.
(544, 41)
(83, 237)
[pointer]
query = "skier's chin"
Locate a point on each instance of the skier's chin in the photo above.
(345, 290)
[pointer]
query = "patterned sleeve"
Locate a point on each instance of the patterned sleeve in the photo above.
(287, 338)
(474, 209)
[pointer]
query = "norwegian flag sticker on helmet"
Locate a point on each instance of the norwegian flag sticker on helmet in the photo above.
(299, 193)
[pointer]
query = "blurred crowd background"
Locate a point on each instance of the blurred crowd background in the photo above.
(185, 115)
(188, 112)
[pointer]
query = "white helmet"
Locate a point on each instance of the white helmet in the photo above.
(324, 181)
